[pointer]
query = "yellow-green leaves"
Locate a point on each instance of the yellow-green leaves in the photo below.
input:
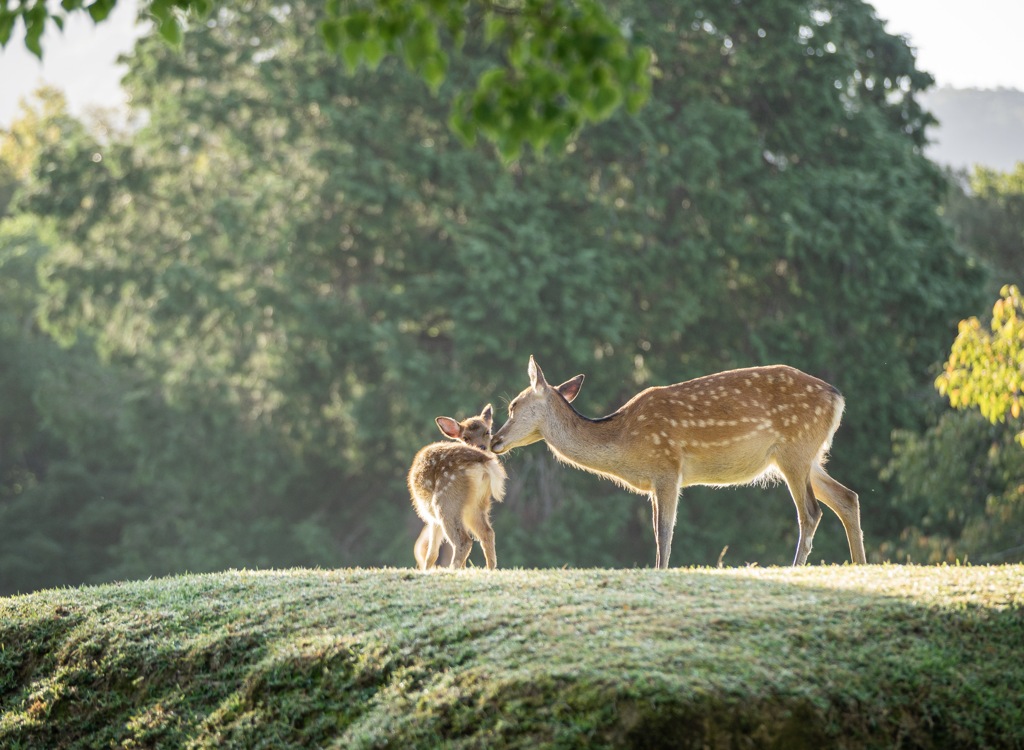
(986, 370)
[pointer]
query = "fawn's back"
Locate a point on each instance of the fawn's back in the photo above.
(454, 474)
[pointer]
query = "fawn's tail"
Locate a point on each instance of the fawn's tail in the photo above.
(497, 475)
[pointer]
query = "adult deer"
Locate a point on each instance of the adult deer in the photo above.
(735, 427)
(451, 486)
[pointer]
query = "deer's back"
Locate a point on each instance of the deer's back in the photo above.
(456, 471)
(728, 427)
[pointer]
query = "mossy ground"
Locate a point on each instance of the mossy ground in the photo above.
(873, 656)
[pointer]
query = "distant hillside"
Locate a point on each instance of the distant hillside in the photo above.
(977, 126)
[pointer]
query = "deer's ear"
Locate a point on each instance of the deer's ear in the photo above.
(488, 416)
(570, 389)
(449, 427)
(536, 375)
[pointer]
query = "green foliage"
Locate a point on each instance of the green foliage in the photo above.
(986, 370)
(564, 64)
(987, 209)
(285, 274)
(818, 657)
(960, 488)
(956, 486)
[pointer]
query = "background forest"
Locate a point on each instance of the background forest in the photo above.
(225, 332)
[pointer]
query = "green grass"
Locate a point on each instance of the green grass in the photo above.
(845, 657)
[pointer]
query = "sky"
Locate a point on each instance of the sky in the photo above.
(962, 43)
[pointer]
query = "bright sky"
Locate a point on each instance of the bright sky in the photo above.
(962, 43)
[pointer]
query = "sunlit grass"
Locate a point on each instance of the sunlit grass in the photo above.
(819, 656)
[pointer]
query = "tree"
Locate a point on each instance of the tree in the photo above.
(958, 488)
(564, 64)
(957, 485)
(987, 209)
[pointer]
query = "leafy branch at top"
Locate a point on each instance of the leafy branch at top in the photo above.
(565, 64)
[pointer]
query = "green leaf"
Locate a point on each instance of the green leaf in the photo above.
(352, 53)
(33, 33)
(463, 125)
(331, 31)
(170, 30)
(6, 24)
(357, 25)
(100, 9)
(374, 50)
(433, 71)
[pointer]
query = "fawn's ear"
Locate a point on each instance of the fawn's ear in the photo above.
(449, 427)
(537, 380)
(488, 416)
(570, 389)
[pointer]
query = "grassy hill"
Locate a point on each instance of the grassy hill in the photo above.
(877, 656)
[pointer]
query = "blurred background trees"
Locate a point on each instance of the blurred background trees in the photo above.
(226, 332)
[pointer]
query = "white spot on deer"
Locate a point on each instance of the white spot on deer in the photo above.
(641, 417)
(673, 422)
(664, 434)
(655, 439)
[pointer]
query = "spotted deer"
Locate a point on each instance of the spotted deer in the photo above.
(731, 428)
(451, 486)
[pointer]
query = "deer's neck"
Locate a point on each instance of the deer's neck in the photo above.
(587, 443)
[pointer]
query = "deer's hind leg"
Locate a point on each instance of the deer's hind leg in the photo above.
(845, 503)
(808, 512)
(450, 501)
(428, 545)
(479, 523)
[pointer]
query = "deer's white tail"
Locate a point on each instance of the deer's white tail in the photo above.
(497, 476)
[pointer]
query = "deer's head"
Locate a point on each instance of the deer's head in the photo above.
(474, 431)
(530, 410)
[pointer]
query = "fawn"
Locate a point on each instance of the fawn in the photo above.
(451, 486)
(734, 427)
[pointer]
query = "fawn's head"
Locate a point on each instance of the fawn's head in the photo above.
(474, 431)
(530, 410)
